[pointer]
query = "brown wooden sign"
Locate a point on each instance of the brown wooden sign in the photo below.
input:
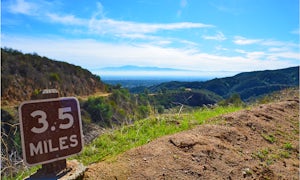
(50, 129)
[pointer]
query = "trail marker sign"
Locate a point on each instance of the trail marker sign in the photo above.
(51, 129)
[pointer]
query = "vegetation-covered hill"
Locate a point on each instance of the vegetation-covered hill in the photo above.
(171, 98)
(247, 85)
(23, 75)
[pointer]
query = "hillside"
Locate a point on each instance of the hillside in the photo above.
(23, 75)
(182, 96)
(257, 143)
(247, 85)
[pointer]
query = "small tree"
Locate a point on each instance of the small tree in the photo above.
(234, 99)
(160, 109)
(101, 112)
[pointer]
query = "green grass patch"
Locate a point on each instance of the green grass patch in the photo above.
(143, 131)
(285, 154)
(269, 155)
(26, 172)
(269, 137)
(288, 146)
(262, 154)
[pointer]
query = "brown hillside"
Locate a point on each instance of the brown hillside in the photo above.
(260, 143)
(23, 75)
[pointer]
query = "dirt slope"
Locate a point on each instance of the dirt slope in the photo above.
(261, 143)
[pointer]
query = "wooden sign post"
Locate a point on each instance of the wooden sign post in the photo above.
(51, 131)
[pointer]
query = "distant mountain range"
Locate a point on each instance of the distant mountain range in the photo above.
(139, 68)
(131, 72)
(247, 85)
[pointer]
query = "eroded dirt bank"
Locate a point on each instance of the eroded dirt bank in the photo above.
(261, 143)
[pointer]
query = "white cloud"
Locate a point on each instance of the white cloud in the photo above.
(111, 26)
(100, 10)
(218, 37)
(221, 48)
(255, 55)
(231, 7)
(34, 8)
(239, 40)
(183, 3)
(98, 23)
(66, 19)
(137, 36)
(278, 56)
(286, 55)
(245, 41)
(273, 54)
(179, 12)
(188, 43)
(278, 49)
(22, 7)
(278, 43)
(296, 31)
(92, 54)
(240, 51)
(251, 54)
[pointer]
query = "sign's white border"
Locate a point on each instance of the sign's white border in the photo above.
(22, 131)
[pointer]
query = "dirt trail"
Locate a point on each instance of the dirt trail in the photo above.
(261, 143)
(97, 94)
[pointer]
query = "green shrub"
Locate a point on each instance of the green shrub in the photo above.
(234, 99)
(160, 109)
(100, 111)
(54, 77)
(144, 111)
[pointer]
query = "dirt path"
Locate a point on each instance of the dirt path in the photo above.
(261, 143)
(97, 94)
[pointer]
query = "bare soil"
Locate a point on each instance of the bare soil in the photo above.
(259, 143)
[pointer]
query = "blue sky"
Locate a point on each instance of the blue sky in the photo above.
(205, 36)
